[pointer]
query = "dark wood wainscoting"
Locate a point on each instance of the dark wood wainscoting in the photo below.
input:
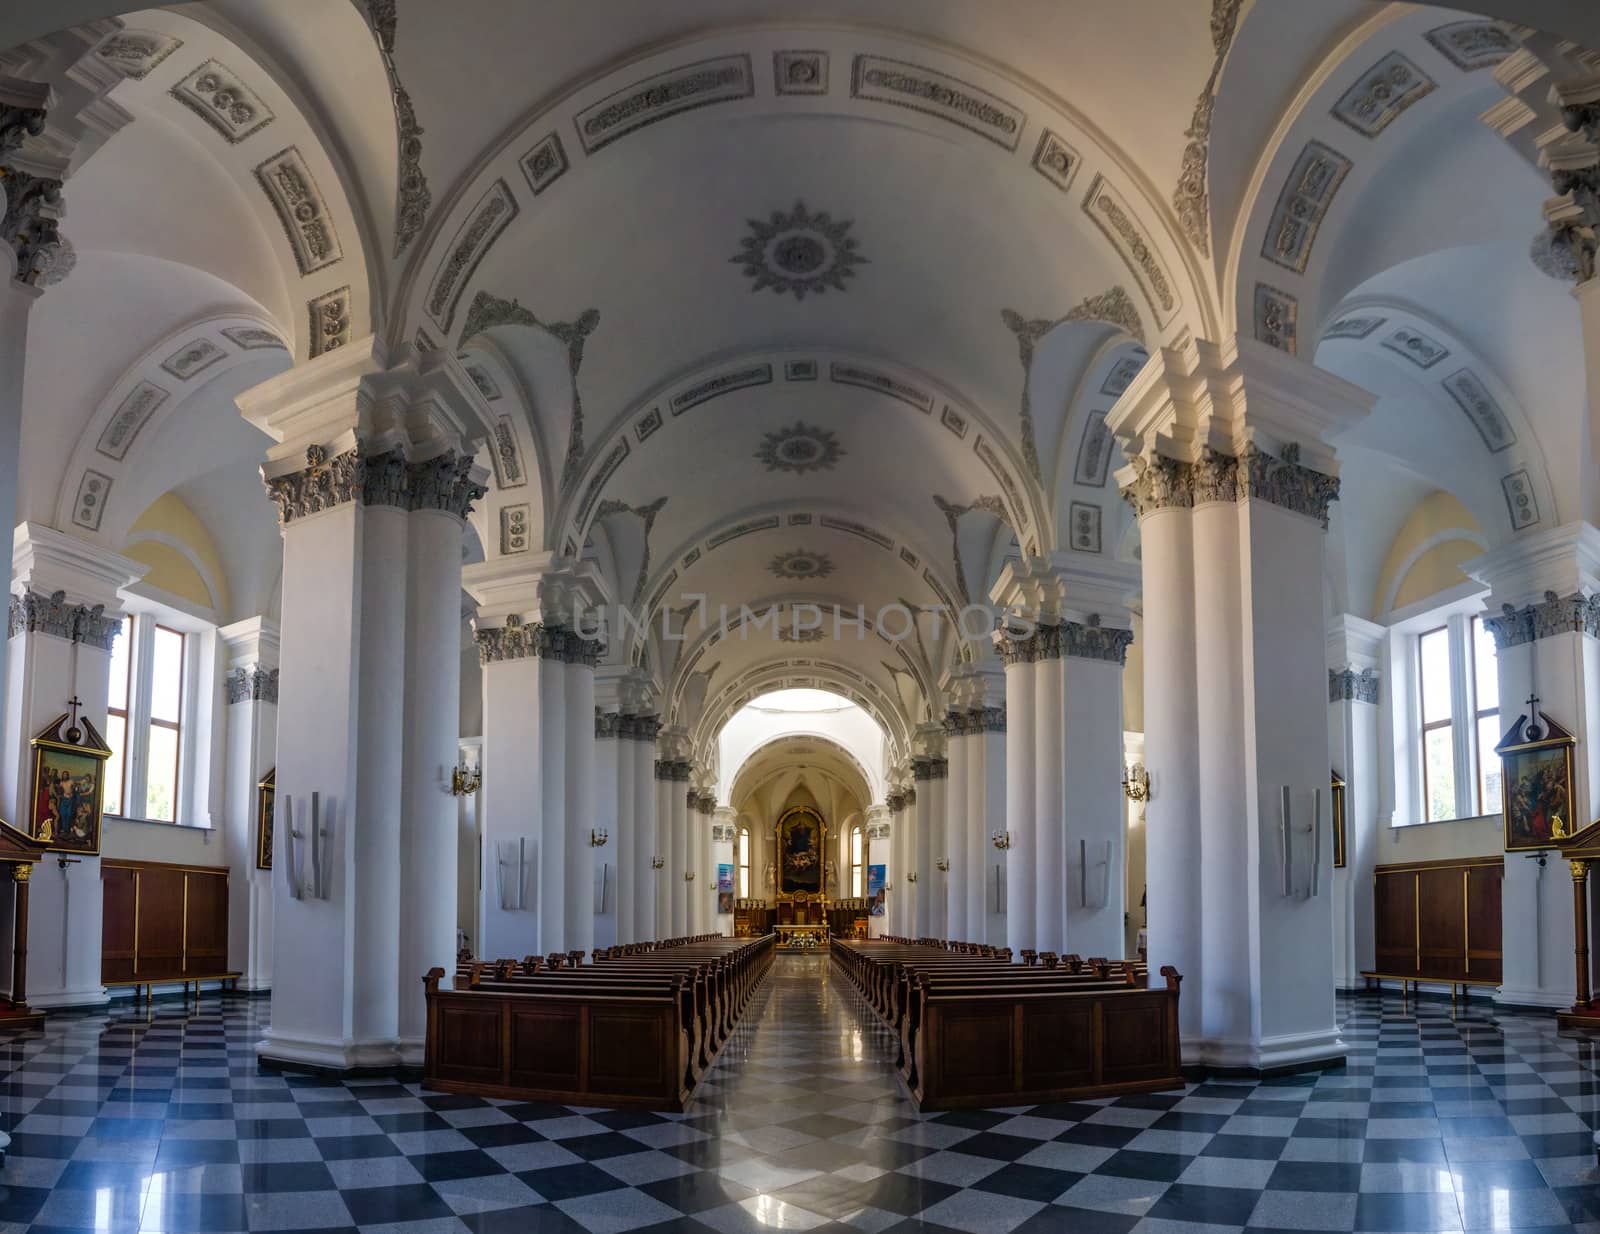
(1439, 920)
(162, 922)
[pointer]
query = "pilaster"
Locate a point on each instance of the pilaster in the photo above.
(251, 655)
(1355, 691)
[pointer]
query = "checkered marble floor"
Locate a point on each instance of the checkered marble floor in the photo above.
(164, 1123)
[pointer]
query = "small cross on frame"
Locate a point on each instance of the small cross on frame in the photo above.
(1533, 732)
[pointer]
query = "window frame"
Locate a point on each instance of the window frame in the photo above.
(1426, 726)
(742, 862)
(1479, 714)
(124, 639)
(858, 852)
(175, 726)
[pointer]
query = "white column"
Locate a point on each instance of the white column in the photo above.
(676, 842)
(1548, 645)
(252, 686)
(922, 862)
(553, 855)
(63, 620)
(429, 845)
(364, 445)
(663, 853)
(1233, 496)
(899, 889)
(580, 794)
(961, 875)
(1021, 925)
(646, 881)
(1049, 803)
(1134, 880)
(986, 814)
(613, 761)
(1354, 690)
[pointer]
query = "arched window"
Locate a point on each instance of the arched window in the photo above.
(743, 858)
(857, 887)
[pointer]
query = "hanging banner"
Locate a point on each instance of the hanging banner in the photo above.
(875, 881)
(724, 887)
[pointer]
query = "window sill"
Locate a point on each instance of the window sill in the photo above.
(1442, 822)
(156, 822)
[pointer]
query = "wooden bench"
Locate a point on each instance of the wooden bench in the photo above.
(225, 981)
(639, 1028)
(980, 1031)
(1411, 981)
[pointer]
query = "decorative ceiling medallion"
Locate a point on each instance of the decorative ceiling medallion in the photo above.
(131, 416)
(935, 94)
(1382, 94)
(215, 94)
(1277, 318)
(801, 563)
(800, 72)
(193, 358)
(252, 338)
(1473, 45)
(301, 209)
(799, 252)
(133, 53)
(330, 321)
(800, 448)
(1302, 205)
(544, 164)
(1519, 499)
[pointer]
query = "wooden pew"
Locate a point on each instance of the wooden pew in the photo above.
(638, 1028)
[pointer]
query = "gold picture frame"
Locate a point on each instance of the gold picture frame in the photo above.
(1340, 853)
(1536, 784)
(68, 786)
(266, 806)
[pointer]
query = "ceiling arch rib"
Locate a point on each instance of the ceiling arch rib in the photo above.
(804, 746)
(815, 674)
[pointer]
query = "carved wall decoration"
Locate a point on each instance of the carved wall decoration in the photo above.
(330, 321)
(423, 342)
(193, 358)
(1055, 160)
(483, 381)
(689, 558)
(900, 84)
(1352, 327)
(32, 612)
(90, 506)
(722, 383)
(1113, 217)
(954, 421)
(252, 685)
(1303, 204)
(1162, 483)
(799, 370)
(508, 469)
(1417, 347)
(991, 459)
(1122, 374)
(31, 206)
(132, 414)
(1480, 407)
(1094, 452)
(799, 520)
(1520, 502)
(661, 591)
(476, 235)
(871, 379)
(215, 94)
(800, 72)
(252, 338)
(800, 448)
(647, 517)
(412, 195)
(801, 564)
(133, 53)
(1346, 685)
(545, 163)
(514, 523)
(647, 424)
(1084, 522)
(443, 483)
(1277, 319)
(656, 98)
(1383, 94)
(798, 252)
(910, 558)
(1555, 614)
(770, 523)
(609, 463)
(1471, 45)
(856, 529)
(300, 207)
(1189, 199)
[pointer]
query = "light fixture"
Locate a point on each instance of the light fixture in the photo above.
(597, 839)
(688, 876)
(657, 862)
(464, 780)
(911, 877)
(1136, 783)
(1001, 840)
(944, 865)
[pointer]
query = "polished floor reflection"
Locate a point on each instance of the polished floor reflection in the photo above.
(126, 1123)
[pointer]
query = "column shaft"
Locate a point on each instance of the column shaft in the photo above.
(1049, 804)
(580, 813)
(1020, 891)
(643, 752)
(954, 842)
(618, 752)
(552, 754)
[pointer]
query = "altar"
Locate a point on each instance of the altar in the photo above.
(802, 890)
(801, 937)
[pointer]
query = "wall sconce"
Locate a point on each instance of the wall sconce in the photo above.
(1136, 783)
(911, 877)
(597, 839)
(657, 862)
(944, 865)
(688, 876)
(464, 780)
(1001, 840)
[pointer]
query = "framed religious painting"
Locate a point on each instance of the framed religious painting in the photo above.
(1536, 795)
(69, 763)
(266, 800)
(1337, 797)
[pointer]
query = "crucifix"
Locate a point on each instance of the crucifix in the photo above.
(74, 733)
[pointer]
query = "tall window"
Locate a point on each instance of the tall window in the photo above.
(1486, 702)
(144, 722)
(117, 724)
(1438, 741)
(744, 863)
(857, 888)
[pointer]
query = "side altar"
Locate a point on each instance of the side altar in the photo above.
(801, 891)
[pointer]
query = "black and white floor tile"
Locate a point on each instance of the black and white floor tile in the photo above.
(163, 1122)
